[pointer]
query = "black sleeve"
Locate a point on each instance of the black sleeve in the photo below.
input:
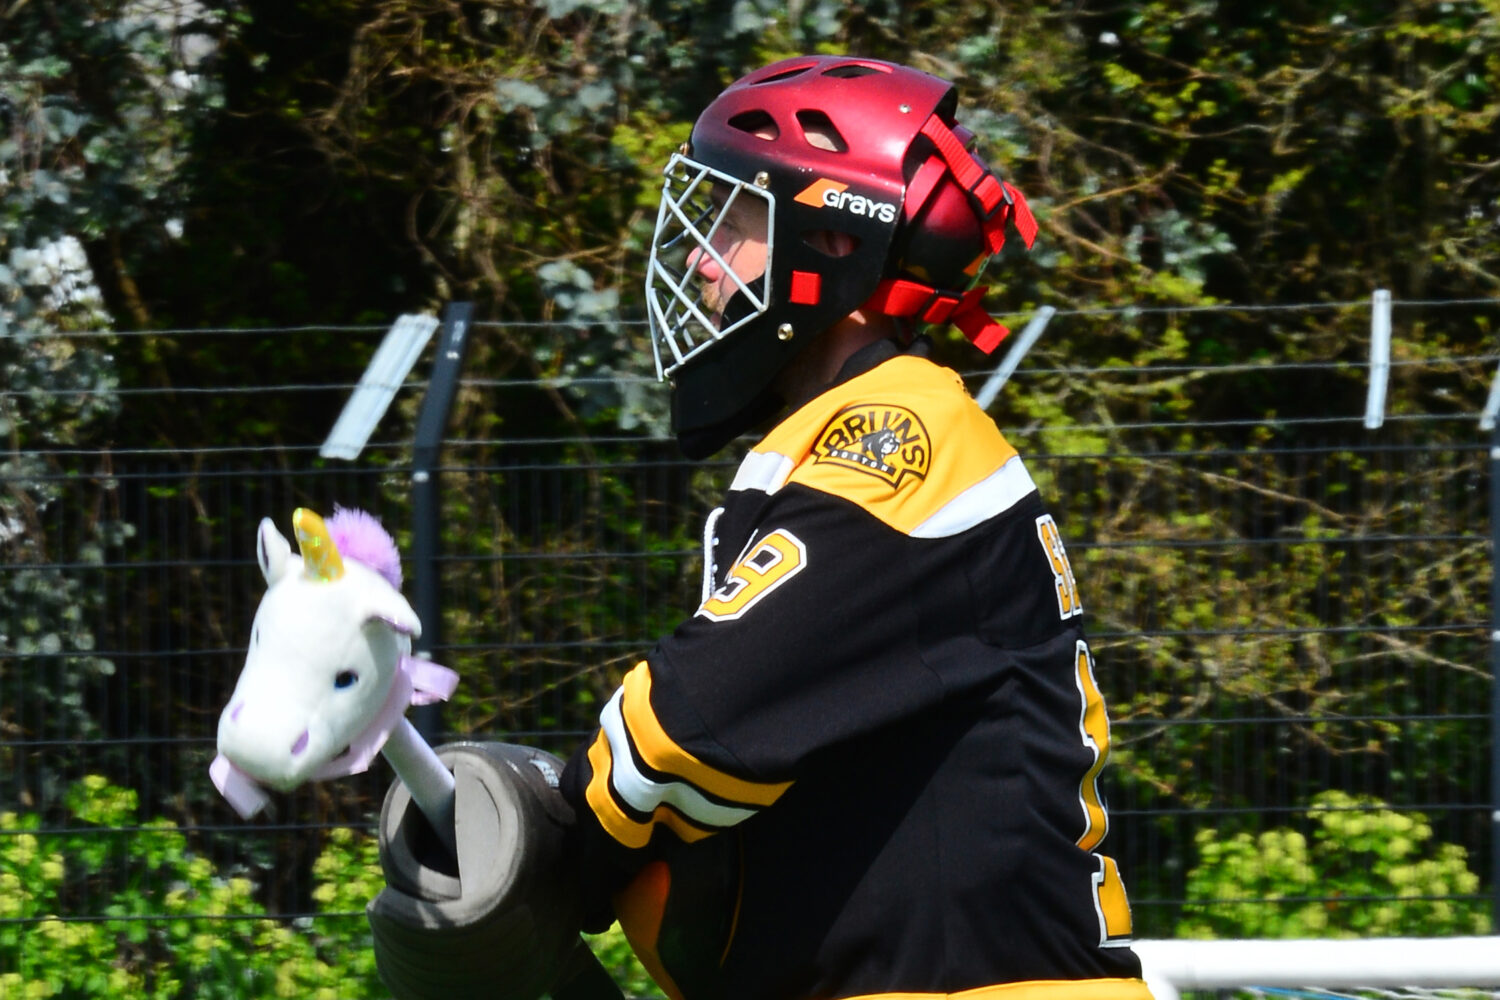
(816, 635)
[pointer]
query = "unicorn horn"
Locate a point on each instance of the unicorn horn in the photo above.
(320, 557)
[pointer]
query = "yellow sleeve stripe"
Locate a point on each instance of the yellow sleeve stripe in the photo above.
(644, 792)
(616, 822)
(661, 754)
(630, 803)
(618, 825)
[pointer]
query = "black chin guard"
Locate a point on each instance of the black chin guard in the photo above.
(727, 390)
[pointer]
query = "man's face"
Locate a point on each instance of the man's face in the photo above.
(709, 273)
(739, 238)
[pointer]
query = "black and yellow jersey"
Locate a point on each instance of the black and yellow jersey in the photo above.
(867, 765)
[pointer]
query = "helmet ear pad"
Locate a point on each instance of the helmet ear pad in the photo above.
(941, 242)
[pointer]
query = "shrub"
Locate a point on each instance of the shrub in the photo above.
(107, 907)
(1356, 869)
(104, 907)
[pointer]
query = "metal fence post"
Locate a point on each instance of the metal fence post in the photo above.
(1489, 420)
(453, 342)
(1495, 672)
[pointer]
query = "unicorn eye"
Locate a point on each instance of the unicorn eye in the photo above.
(345, 678)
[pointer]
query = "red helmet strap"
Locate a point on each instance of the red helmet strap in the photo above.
(997, 205)
(903, 297)
(995, 202)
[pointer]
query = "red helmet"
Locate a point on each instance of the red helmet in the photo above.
(869, 198)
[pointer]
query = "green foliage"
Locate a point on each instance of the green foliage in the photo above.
(1286, 882)
(615, 954)
(575, 620)
(93, 120)
(203, 934)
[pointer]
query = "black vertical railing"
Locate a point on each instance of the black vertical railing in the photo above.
(1495, 673)
(432, 421)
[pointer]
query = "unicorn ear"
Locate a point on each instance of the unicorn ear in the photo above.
(385, 604)
(272, 551)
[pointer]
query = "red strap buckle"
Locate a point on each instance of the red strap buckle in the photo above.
(989, 195)
(938, 308)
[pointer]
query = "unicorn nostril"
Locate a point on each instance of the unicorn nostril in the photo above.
(300, 745)
(234, 713)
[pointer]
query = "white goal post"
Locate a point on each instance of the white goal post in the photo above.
(1172, 966)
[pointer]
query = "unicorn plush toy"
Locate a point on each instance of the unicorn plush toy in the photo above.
(325, 687)
(329, 674)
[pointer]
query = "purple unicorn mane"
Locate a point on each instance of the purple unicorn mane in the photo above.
(359, 536)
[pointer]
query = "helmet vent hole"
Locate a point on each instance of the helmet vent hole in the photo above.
(831, 242)
(819, 131)
(850, 70)
(785, 74)
(758, 123)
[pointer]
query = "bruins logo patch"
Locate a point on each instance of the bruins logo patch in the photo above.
(884, 440)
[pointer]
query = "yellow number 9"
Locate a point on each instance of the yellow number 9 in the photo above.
(771, 562)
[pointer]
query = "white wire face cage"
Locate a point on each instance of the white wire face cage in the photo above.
(696, 201)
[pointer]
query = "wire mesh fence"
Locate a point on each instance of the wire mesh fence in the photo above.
(1290, 612)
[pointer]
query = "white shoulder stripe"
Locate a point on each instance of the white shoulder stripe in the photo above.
(996, 493)
(766, 471)
(643, 794)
